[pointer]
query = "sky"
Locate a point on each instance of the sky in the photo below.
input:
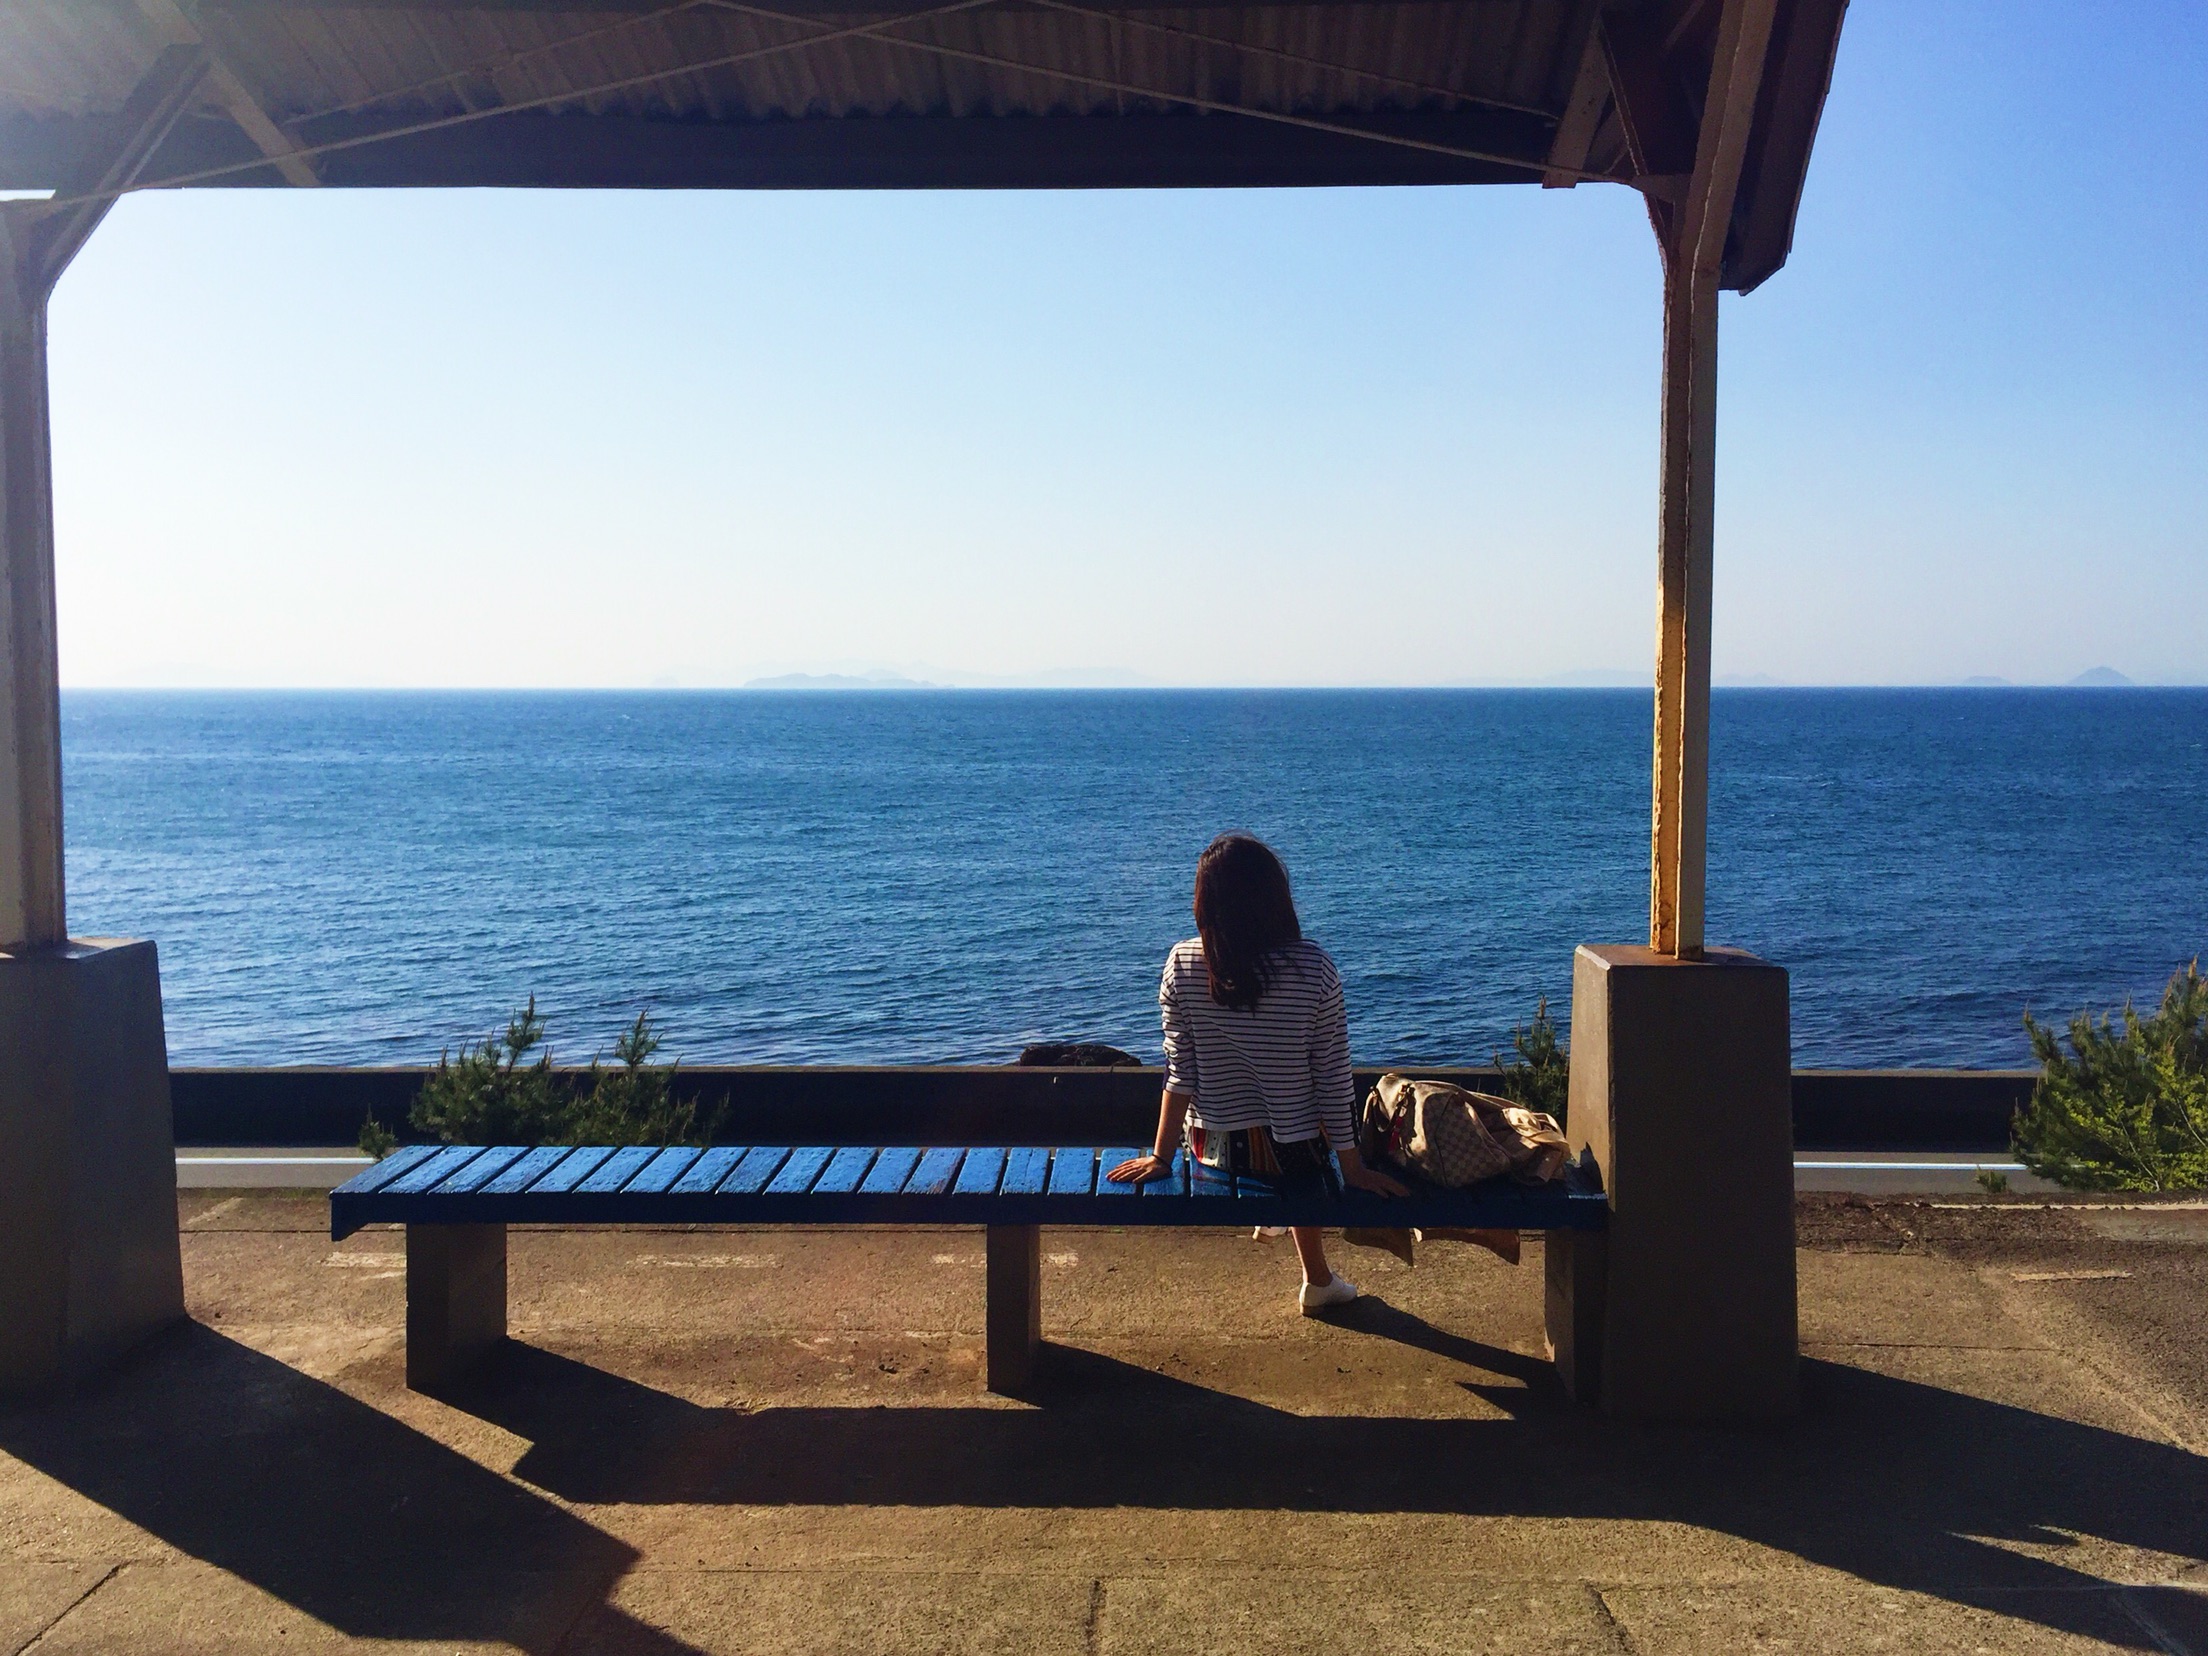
(340, 438)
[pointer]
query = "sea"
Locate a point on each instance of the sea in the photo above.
(944, 877)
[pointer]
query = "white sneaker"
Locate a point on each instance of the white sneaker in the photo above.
(1312, 1299)
(1265, 1233)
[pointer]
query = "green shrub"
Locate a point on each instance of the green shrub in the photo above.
(497, 1094)
(490, 1095)
(1538, 1074)
(376, 1141)
(2125, 1108)
(635, 1103)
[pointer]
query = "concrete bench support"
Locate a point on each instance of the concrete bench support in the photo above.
(1015, 1315)
(1576, 1267)
(89, 1264)
(455, 1300)
(1681, 1087)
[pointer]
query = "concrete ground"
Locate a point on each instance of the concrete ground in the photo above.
(773, 1441)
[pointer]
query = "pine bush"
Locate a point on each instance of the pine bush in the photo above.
(1538, 1074)
(2126, 1107)
(498, 1094)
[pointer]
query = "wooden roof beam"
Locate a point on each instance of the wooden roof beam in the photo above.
(62, 227)
(1659, 128)
(1575, 132)
(175, 28)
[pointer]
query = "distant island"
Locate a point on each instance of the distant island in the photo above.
(2101, 678)
(840, 681)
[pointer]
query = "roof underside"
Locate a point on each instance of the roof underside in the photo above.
(803, 94)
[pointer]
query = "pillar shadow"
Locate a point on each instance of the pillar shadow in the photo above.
(1900, 1483)
(331, 1506)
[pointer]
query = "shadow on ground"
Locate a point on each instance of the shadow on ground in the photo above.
(1899, 1483)
(333, 1507)
(365, 1523)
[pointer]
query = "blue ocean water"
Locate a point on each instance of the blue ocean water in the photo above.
(942, 877)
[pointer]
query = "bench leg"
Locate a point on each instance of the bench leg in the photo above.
(1575, 1264)
(455, 1300)
(1015, 1319)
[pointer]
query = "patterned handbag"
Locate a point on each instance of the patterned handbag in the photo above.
(1455, 1138)
(1433, 1129)
(1534, 1142)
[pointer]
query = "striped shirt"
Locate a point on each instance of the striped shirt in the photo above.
(1283, 1065)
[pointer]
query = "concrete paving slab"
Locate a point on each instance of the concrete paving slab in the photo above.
(1292, 1611)
(34, 1595)
(843, 1613)
(1697, 1621)
(1901, 1299)
(194, 1609)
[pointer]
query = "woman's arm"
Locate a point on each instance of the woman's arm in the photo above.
(1172, 1111)
(1336, 1086)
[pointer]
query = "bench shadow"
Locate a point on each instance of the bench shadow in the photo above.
(328, 1504)
(1899, 1483)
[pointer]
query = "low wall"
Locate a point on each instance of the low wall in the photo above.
(1948, 1110)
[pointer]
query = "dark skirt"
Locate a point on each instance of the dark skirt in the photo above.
(1301, 1166)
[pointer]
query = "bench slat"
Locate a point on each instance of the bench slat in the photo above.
(1073, 1172)
(375, 1178)
(979, 1173)
(483, 1169)
(1175, 1182)
(527, 1169)
(571, 1170)
(1024, 1172)
(761, 1163)
(663, 1169)
(709, 1170)
(845, 1171)
(799, 1172)
(1211, 1184)
(1106, 1160)
(891, 1169)
(435, 1171)
(616, 1170)
(934, 1174)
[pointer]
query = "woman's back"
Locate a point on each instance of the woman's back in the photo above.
(1282, 1064)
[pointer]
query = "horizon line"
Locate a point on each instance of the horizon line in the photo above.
(927, 689)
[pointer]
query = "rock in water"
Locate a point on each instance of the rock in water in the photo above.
(1076, 1055)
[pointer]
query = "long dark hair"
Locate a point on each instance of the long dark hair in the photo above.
(1244, 914)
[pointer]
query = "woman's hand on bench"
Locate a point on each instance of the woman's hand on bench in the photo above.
(1142, 1170)
(1358, 1176)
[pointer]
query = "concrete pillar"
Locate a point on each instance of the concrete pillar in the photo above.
(455, 1300)
(88, 1245)
(1014, 1322)
(89, 1264)
(1681, 1086)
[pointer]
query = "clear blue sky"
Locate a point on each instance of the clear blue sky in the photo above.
(1325, 437)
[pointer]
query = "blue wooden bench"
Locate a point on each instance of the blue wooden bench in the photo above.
(457, 1200)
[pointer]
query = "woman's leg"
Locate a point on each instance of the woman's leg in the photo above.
(1311, 1250)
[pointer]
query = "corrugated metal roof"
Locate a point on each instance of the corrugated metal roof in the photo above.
(973, 92)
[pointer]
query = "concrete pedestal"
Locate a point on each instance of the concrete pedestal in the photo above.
(455, 1301)
(1682, 1088)
(89, 1264)
(1014, 1320)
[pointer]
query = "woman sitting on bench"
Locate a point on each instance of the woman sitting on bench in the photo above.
(1257, 1048)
